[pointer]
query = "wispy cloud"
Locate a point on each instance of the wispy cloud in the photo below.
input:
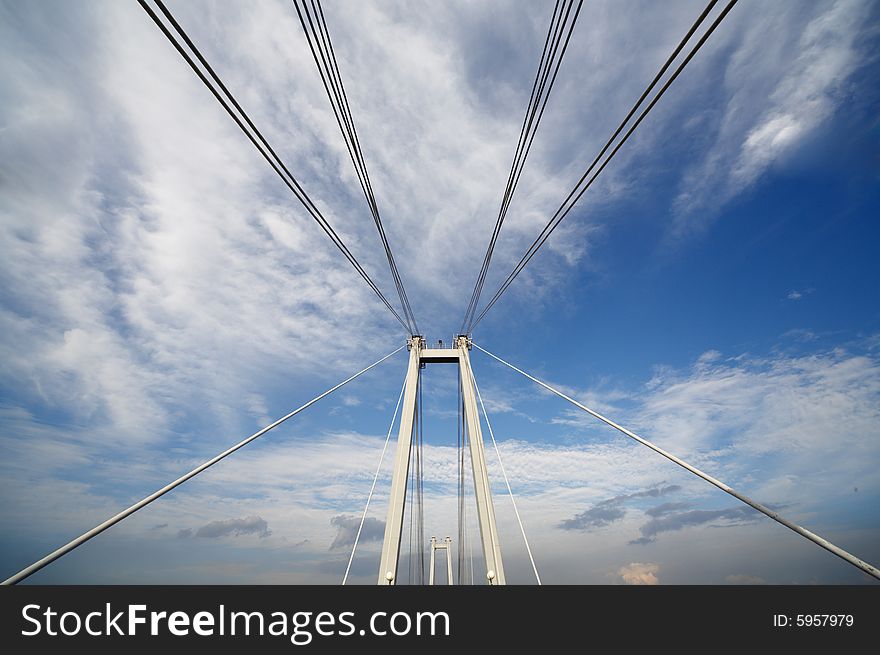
(801, 334)
(776, 95)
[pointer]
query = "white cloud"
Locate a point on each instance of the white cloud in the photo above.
(160, 204)
(787, 75)
(807, 95)
(297, 484)
(796, 294)
(256, 404)
(637, 573)
(820, 405)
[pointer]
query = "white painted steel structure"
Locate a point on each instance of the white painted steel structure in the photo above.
(446, 545)
(397, 498)
(491, 542)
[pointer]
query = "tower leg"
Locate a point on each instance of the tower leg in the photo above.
(394, 521)
(485, 508)
(448, 561)
(433, 551)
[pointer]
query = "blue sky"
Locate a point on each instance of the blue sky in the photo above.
(163, 296)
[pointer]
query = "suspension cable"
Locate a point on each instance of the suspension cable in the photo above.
(318, 37)
(532, 119)
(816, 539)
(98, 529)
(246, 125)
(373, 486)
(583, 184)
(506, 480)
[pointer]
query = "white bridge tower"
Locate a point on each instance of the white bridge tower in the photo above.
(419, 355)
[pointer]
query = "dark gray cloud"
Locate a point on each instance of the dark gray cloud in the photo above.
(363, 566)
(347, 526)
(596, 517)
(612, 509)
(186, 533)
(674, 522)
(234, 527)
(159, 526)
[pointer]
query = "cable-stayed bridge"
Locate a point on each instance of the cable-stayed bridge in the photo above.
(407, 488)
